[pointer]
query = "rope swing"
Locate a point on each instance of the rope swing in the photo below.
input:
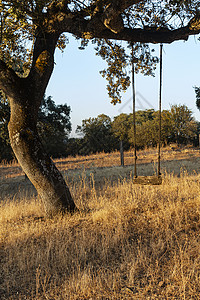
(1, 29)
(155, 179)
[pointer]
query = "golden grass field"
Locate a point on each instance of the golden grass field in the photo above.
(126, 242)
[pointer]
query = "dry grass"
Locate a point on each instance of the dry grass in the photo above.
(101, 160)
(127, 241)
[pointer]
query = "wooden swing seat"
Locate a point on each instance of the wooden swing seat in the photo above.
(148, 180)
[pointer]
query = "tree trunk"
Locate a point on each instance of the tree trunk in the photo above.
(25, 96)
(38, 166)
(121, 153)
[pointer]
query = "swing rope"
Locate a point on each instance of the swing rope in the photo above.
(160, 103)
(134, 115)
(1, 29)
(134, 122)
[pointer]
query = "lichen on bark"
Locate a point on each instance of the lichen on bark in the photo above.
(42, 62)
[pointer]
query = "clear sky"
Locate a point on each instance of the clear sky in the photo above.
(77, 82)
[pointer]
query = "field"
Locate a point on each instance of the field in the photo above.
(126, 242)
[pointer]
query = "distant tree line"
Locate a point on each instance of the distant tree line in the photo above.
(102, 133)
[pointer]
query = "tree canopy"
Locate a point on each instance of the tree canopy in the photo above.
(97, 135)
(197, 91)
(53, 126)
(6, 151)
(105, 22)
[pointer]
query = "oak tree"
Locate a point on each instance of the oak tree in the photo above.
(197, 91)
(184, 126)
(53, 127)
(6, 150)
(30, 31)
(97, 135)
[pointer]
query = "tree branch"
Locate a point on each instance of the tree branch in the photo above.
(111, 15)
(94, 28)
(121, 5)
(152, 35)
(43, 60)
(8, 78)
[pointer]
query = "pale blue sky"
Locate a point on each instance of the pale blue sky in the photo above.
(77, 82)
